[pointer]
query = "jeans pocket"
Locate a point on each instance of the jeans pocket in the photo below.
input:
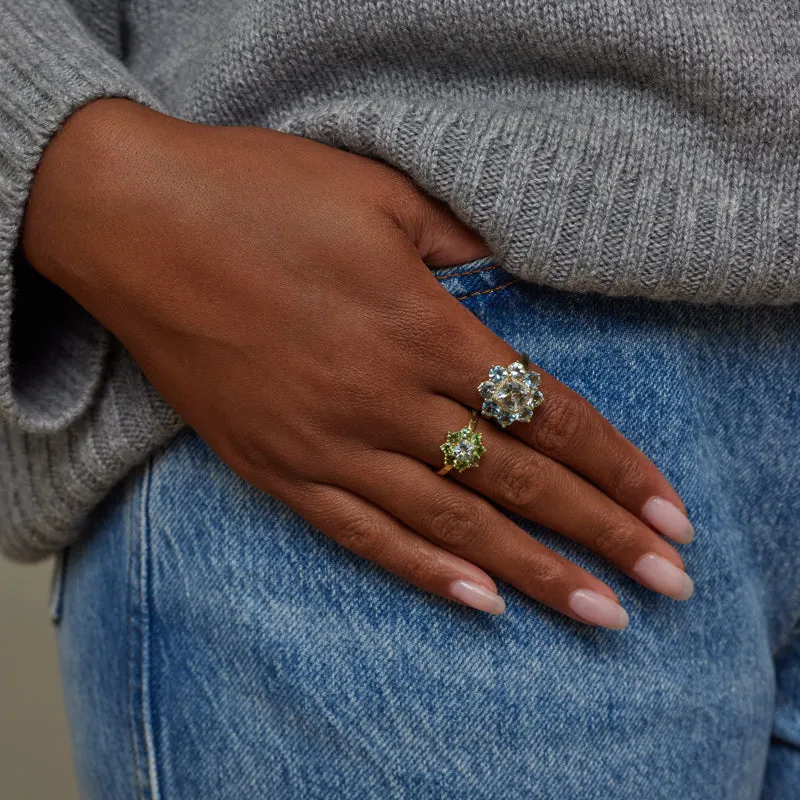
(476, 278)
(57, 578)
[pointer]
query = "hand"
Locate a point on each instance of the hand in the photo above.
(275, 291)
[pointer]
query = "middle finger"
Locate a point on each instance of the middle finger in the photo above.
(567, 428)
(531, 484)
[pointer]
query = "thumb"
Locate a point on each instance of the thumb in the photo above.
(439, 236)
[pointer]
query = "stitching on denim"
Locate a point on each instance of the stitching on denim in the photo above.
(144, 582)
(129, 528)
(469, 272)
(144, 756)
(488, 291)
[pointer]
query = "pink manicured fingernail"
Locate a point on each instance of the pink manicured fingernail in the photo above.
(664, 576)
(668, 519)
(598, 609)
(478, 597)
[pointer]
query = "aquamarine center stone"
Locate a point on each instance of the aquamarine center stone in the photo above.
(511, 395)
(464, 451)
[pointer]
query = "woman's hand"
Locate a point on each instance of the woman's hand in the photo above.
(275, 291)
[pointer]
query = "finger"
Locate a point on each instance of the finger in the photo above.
(565, 427)
(535, 486)
(438, 235)
(369, 532)
(572, 431)
(460, 521)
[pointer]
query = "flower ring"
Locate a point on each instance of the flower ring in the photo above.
(462, 449)
(511, 393)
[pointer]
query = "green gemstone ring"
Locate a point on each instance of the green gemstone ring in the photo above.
(462, 449)
(511, 393)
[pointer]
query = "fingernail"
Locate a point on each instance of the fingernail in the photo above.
(478, 597)
(664, 577)
(598, 609)
(668, 519)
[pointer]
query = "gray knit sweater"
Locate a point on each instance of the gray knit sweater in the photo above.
(629, 147)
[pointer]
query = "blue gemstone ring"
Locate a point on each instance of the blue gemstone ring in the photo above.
(511, 393)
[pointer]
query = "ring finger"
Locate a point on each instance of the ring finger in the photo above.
(569, 429)
(461, 522)
(531, 484)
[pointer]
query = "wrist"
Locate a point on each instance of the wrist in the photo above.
(80, 185)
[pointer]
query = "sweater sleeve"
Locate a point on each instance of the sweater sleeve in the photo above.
(52, 352)
(72, 403)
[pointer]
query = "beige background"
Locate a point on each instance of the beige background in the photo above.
(35, 760)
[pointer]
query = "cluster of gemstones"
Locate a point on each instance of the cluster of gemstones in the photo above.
(511, 394)
(462, 449)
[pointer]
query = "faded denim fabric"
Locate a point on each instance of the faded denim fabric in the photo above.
(214, 645)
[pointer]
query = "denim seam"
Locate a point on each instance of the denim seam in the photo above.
(470, 272)
(144, 566)
(132, 534)
(488, 291)
(139, 657)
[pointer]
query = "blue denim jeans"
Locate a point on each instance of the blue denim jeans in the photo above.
(215, 645)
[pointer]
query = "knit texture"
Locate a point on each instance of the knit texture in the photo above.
(639, 147)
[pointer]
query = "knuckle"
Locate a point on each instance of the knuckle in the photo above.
(356, 533)
(544, 572)
(627, 476)
(520, 484)
(397, 187)
(419, 566)
(456, 523)
(613, 539)
(562, 423)
(251, 459)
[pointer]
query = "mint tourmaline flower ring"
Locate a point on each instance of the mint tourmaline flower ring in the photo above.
(511, 393)
(463, 448)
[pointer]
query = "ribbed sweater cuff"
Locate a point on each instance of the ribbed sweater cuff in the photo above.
(51, 351)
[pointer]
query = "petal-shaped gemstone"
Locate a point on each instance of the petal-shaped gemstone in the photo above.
(525, 414)
(505, 419)
(486, 389)
(516, 369)
(532, 380)
(497, 373)
(490, 408)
